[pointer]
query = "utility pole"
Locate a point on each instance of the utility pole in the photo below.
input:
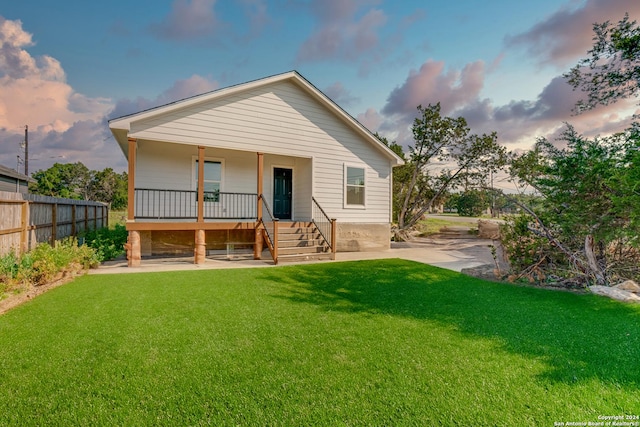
(26, 150)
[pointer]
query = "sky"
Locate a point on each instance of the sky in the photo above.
(67, 67)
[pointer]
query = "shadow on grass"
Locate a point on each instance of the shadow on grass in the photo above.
(580, 337)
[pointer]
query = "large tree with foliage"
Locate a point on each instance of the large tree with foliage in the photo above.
(68, 180)
(401, 174)
(586, 214)
(76, 181)
(109, 187)
(612, 71)
(590, 219)
(445, 155)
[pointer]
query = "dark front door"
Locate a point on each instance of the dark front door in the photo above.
(282, 189)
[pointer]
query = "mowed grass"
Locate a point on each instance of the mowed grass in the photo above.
(360, 343)
(432, 225)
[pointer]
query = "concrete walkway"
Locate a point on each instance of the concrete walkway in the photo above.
(453, 254)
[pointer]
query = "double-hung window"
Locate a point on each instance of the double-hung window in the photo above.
(354, 186)
(212, 180)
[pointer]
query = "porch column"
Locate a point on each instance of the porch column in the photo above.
(200, 250)
(201, 247)
(260, 182)
(133, 249)
(133, 241)
(131, 194)
(257, 247)
(200, 184)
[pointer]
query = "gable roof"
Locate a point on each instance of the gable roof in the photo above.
(122, 125)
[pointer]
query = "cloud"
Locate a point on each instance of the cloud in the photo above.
(517, 123)
(181, 89)
(567, 34)
(341, 33)
(35, 93)
(198, 20)
(64, 125)
(188, 20)
(432, 84)
(371, 119)
(340, 95)
(257, 16)
(34, 89)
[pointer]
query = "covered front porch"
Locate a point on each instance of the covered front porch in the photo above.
(199, 214)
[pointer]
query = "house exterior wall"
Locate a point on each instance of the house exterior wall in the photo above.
(12, 185)
(290, 127)
(239, 175)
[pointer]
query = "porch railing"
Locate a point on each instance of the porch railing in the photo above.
(325, 225)
(183, 204)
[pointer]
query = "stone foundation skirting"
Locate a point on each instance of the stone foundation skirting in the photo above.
(357, 237)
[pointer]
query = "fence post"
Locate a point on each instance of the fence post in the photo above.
(54, 223)
(24, 224)
(73, 220)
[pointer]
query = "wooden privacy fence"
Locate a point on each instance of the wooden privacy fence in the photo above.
(29, 219)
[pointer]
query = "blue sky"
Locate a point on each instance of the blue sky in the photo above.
(68, 66)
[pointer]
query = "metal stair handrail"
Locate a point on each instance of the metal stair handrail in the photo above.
(325, 225)
(270, 234)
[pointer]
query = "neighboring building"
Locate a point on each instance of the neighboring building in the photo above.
(277, 154)
(13, 181)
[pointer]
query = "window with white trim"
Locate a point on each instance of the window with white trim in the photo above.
(212, 179)
(354, 186)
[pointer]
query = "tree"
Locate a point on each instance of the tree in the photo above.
(76, 181)
(588, 211)
(445, 155)
(400, 173)
(68, 180)
(472, 203)
(109, 187)
(589, 220)
(613, 70)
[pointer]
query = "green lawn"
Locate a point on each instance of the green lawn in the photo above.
(361, 343)
(432, 225)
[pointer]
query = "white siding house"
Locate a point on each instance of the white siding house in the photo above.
(275, 147)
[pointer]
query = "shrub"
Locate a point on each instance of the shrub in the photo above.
(108, 243)
(471, 203)
(44, 264)
(530, 256)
